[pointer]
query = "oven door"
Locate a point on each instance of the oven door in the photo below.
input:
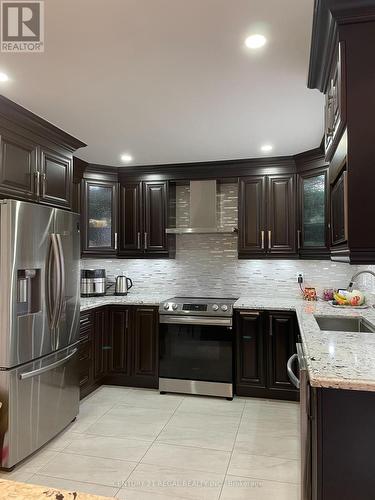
(196, 348)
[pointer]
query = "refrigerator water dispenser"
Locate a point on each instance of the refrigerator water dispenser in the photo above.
(28, 291)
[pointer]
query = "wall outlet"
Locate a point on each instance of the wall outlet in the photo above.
(300, 278)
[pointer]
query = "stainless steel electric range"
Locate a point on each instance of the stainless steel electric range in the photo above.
(196, 345)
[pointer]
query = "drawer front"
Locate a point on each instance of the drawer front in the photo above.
(85, 361)
(86, 324)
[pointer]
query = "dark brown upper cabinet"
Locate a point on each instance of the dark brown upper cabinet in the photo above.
(340, 67)
(143, 218)
(281, 230)
(155, 216)
(339, 216)
(335, 102)
(56, 178)
(267, 216)
(131, 223)
(313, 199)
(122, 217)
(252, 215)
(18, 166)
(99, 217)
(36, 158)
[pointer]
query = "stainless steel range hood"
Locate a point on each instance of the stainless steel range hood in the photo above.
(203, 213)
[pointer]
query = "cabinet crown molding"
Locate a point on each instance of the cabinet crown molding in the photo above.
(328, 16)
(13, 112)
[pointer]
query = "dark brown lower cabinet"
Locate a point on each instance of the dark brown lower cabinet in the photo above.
(101, 343)
(86, 353)
(342, 444)
(133, 347)
(264, 342)
(119, 360)
(250, 352)
(282, 340)
(146, 352)
(119, 346)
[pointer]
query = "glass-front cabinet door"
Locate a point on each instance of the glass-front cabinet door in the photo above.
(313, 239)
(100, 219)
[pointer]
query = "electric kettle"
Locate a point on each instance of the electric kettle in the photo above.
(123, 285)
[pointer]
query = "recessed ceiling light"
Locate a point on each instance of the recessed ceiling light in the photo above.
(126, 158)
(255, 41)
(3, 77)
(266, 148)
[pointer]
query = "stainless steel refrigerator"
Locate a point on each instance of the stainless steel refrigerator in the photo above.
(39, 326)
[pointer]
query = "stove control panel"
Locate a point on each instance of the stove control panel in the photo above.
(186, 306)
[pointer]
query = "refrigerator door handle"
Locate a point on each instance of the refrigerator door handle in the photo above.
(62, 278)
(53, 258)
(44, 369)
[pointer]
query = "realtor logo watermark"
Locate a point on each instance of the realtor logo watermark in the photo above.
(22, 26)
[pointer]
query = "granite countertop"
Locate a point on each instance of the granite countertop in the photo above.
(22, 491)
(339, 360)
(130, 299)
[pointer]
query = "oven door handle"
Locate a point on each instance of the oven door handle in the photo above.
(194, 320)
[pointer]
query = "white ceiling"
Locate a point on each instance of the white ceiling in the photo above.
(170, 80)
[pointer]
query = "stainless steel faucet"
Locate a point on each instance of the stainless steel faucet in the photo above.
(355, 276)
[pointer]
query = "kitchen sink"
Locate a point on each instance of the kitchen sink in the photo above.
(341, 324)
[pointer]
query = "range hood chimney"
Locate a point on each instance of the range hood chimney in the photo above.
(203, 216)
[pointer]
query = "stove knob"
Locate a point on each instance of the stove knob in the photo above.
(166, 306)
(215, 307)
(174, 306)
(224, 307)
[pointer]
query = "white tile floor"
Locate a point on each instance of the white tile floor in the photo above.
(138, 445)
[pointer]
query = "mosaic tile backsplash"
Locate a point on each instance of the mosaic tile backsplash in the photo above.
(207, 264)
(213, 269)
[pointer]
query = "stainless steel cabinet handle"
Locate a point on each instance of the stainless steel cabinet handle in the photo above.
(126, 319)
(331, 112)
(145, 241)
(262, 240)
(246, 313)
(299, 239)
(330, 131)
(271, 328)
(269, 240)
(44, 369)
(139, 241)
(115, 241)
(295, 381)
(37, 183)
(44, 184)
